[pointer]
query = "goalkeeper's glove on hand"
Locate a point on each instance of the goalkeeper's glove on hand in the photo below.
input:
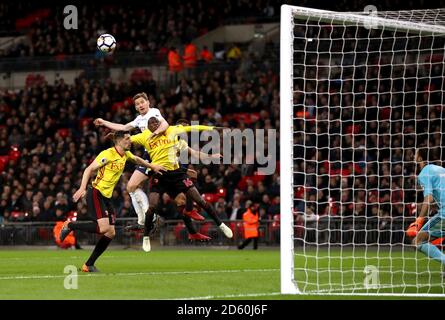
(415, 227)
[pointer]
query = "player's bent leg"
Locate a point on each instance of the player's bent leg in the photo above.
(149, 221)
(194, 194)
(135, 180)
(138, 197)
(86, 226)
(108, 235)
(193, 234)
(180, 200)
(421, 241)
(183, 203)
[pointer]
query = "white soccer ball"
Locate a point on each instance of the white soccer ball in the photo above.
(106, 43)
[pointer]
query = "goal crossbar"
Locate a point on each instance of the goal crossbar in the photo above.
(366, 20)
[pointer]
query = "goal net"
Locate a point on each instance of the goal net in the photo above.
(359, 93)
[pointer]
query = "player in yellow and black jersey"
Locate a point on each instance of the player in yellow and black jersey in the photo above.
(110, 164)
(163, 150)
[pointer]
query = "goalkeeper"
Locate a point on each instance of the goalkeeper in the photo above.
(432, 179)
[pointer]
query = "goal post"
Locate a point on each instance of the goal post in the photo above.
(288, 285)
(359, 93)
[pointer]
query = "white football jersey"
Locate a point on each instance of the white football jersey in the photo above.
(141, 121)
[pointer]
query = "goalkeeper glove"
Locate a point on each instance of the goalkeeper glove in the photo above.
(415, 227)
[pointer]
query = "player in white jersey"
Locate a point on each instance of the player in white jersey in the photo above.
(138, 197)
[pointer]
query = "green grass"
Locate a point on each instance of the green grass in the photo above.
(179, 274)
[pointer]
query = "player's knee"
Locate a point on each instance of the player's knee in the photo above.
(419, 239)
(131, 187)
(103, 229)
(111, 233)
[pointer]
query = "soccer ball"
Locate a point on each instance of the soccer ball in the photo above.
(106, 43)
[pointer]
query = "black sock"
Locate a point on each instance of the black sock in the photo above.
(188, 204)
(189, 225)
(100, 247)
(209, 209)
(148, 226)
(90, 226)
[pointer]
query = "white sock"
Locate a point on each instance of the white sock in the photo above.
(142, 199)
(137, 207)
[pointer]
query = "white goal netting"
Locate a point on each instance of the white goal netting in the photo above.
(359, 94)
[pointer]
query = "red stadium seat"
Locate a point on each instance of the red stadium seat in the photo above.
(222, 192)
(64, 132)
(85, 122)
(211, 197)
(178, 229)
(3, 162)
(14, 153)
(257, 177)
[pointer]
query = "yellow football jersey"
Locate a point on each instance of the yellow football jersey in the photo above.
(163, 149)
(112, 164)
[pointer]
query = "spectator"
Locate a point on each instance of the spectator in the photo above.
(190, 55)
(250, 223)
(174, 61)
(208, 186)
(234, 53)
(206, 55)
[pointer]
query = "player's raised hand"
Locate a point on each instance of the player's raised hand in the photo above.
(414, 227)
(80, 193)
(98, 122)
(216, 156)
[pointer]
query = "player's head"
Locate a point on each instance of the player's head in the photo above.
(122, 139)
(153, 124)
(421, 155)
(182, 122)
(141, 103)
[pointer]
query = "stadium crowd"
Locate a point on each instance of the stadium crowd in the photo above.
(359, 124)
(137, 27)
(355, 164)
(47, 138)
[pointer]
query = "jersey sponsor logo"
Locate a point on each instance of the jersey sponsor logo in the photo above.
(159, 143)
(187, 182)
(117, 166)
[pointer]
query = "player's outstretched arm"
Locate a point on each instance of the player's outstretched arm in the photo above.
(414, 227)
(181, 129)
(155, 167)
(85, 178)
(427, 202)
(113, 126)
(202, 155)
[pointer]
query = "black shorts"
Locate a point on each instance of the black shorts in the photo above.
(143, 169)
(99, 206)
(172, 182)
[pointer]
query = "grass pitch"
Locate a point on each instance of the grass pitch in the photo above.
(166, 273)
